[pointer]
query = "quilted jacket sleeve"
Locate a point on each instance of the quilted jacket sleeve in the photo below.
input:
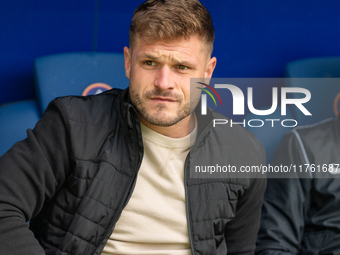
(30, 173)
(286, 200)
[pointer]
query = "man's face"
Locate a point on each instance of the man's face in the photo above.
(160, 75)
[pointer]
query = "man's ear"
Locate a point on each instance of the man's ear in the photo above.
(210, 67)
(127, 61)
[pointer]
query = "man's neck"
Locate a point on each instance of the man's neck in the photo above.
(179, 130)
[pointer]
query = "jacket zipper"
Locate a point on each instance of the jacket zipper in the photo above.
(186, 195)
(131, 189)
(187, 207)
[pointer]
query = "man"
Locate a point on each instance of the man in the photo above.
(300, 214)
(109, 174)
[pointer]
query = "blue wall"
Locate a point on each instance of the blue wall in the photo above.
(254, 38)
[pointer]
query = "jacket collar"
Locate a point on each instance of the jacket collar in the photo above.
(127, 110)
(203, 121)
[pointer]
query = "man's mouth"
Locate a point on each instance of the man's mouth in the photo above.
(163, 99)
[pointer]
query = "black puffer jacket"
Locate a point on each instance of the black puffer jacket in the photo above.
(76, 171)
(301, 214)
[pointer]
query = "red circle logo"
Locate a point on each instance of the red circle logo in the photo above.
(96, 88)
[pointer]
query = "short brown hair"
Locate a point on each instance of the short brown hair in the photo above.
(166, 20)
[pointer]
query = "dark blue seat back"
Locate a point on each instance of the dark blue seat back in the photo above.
(71, 73)
(321, 76)
(60, 75)
(15, 119)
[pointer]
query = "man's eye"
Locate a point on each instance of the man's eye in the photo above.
(150, 63)
(182, 67)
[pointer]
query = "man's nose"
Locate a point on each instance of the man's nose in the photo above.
(164, 79)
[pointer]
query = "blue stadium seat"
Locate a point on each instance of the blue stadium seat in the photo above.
(60, 75)
(71, 73)
(318, 75)
(323, 67)
(321, 77)
(15, 119)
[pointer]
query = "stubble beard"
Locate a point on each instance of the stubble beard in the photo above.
(159, 116)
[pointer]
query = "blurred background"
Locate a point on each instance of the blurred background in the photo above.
(254, 38)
